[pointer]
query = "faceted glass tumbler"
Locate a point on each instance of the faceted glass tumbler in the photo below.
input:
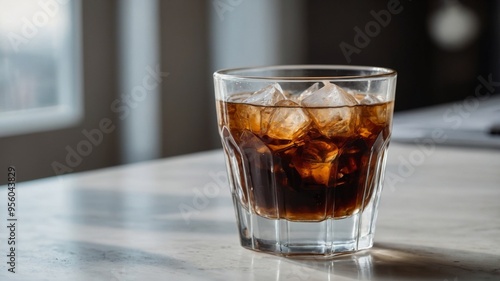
(305, 149)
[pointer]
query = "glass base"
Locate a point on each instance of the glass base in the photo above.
(322, 239)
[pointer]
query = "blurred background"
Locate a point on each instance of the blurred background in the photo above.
(96, 83)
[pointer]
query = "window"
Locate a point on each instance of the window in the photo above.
(40, 79)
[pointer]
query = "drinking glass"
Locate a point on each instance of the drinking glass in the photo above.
(305, 149)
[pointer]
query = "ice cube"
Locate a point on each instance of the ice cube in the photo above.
(373, 119)
(243, 117)
(250, 117)
(254, 119)
(320, 151)
(329, 95)
(307, 92)
(314, 161)
(352, 158)
(288, 121)
(315, 173)
(265, 119)
(332, 110)
(269, 95)
(371, 114)
(367, 99)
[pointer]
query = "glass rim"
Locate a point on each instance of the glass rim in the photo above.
(378, 73)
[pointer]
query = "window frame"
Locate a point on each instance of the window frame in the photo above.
(70, 109)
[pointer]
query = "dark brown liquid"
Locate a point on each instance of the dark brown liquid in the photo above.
(317, 173)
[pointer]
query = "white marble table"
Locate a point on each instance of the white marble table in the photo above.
(172, 219)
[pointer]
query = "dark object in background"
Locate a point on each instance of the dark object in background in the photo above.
(404, 35)
(495, 130)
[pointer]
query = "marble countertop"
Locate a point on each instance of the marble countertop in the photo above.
(172, 219)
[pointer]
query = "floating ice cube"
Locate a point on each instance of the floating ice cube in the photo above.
(265, 119)
(314, 173)
(269, 95)
(329, 95)
(307, 92)
(239, 97)
(288, 121)
(366, 99)
(251, 116)
(314, 161)
(332, 110)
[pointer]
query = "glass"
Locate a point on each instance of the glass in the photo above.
(305, 149)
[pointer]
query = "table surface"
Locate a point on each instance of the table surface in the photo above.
(172, 219)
